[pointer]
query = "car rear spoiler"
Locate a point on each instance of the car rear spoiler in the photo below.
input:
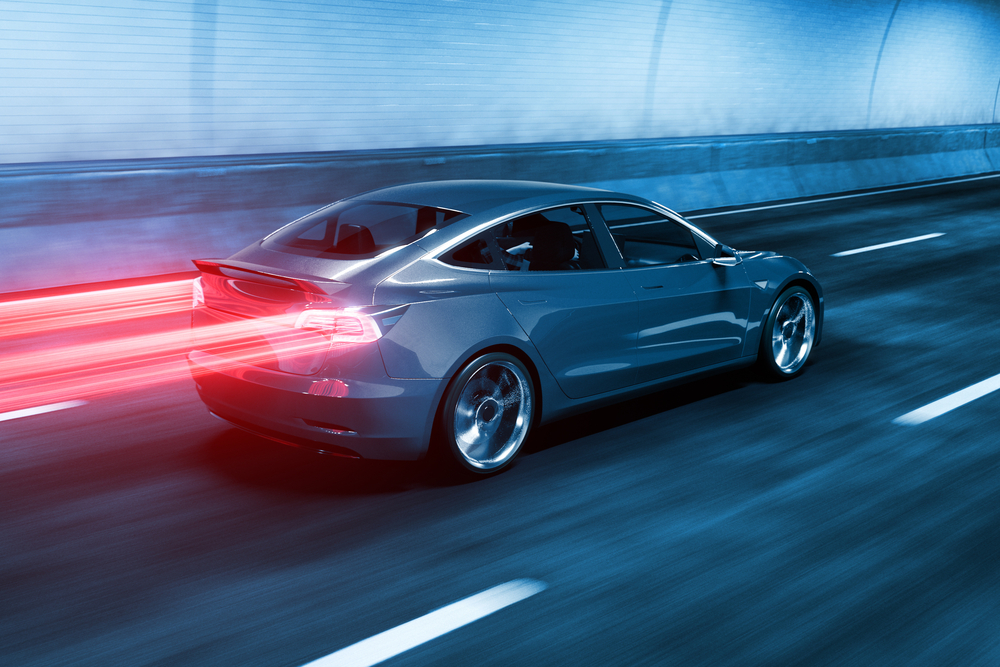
(229, 268)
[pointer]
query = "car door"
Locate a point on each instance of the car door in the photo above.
(692, 312)
(581, 316)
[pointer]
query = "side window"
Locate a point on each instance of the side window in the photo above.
(480, 252)
(647, 238)
(557, 239)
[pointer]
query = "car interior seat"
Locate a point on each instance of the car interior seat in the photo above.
(553, 248)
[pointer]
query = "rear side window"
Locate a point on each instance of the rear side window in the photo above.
(481, 252)
(556, 239)
(354, 229)
(646, 238)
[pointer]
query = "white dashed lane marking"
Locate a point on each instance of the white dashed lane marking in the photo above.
(887, 245)
(949, 403)
(39, 410)
(409, 635)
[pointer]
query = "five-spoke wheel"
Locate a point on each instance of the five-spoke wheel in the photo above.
(487, 412)
(788, 334)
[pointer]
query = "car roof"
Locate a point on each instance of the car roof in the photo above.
(475, 196)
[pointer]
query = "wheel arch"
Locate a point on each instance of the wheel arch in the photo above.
(811, 286)
(767, 365)
(507, 348)
(437, 447)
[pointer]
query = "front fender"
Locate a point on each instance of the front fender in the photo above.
(771, 274)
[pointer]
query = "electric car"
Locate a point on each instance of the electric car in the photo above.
(455, 316)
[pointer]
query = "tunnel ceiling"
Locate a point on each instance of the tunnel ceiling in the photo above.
(160, 79)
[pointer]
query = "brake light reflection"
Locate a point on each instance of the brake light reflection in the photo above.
(33, 372)
(331, 388)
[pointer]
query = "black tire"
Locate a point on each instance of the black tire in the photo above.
(486, 413)
(788, 335)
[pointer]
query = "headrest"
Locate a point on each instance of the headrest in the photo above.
(354, 240)
(552, 245)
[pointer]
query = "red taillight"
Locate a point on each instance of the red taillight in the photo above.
(340, 325)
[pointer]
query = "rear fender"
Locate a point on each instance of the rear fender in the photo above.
(433, 338)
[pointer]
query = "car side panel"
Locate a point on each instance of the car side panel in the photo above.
(691, 315)
(583, 324)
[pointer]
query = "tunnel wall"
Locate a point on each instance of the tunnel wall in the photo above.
(139, 134)
(89, 222)
(155, 78)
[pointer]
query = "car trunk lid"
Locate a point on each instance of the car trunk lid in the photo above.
(250, 314)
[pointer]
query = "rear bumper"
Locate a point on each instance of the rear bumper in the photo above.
(378, 418)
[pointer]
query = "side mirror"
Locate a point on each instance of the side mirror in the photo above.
(726, 256)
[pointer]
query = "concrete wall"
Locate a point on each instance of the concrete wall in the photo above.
(88, 222)
(124, 79)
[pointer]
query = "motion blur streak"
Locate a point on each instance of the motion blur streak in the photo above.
(74, 371)
(29, 316)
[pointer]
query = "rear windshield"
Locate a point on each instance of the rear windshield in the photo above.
(353, 229)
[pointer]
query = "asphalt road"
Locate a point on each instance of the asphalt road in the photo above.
(728, 522)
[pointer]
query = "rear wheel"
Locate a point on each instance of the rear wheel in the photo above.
(487, 412)
(788, 334)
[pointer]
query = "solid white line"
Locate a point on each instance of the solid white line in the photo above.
(949, 403)
(40, 410)
(887, 245)
(402, 638)
(824, 199)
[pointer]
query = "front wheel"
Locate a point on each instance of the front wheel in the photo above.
(788, 334)
(487, 412)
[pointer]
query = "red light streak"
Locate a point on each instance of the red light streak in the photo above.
(32, 316)
(38, 373)
(127, 363)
